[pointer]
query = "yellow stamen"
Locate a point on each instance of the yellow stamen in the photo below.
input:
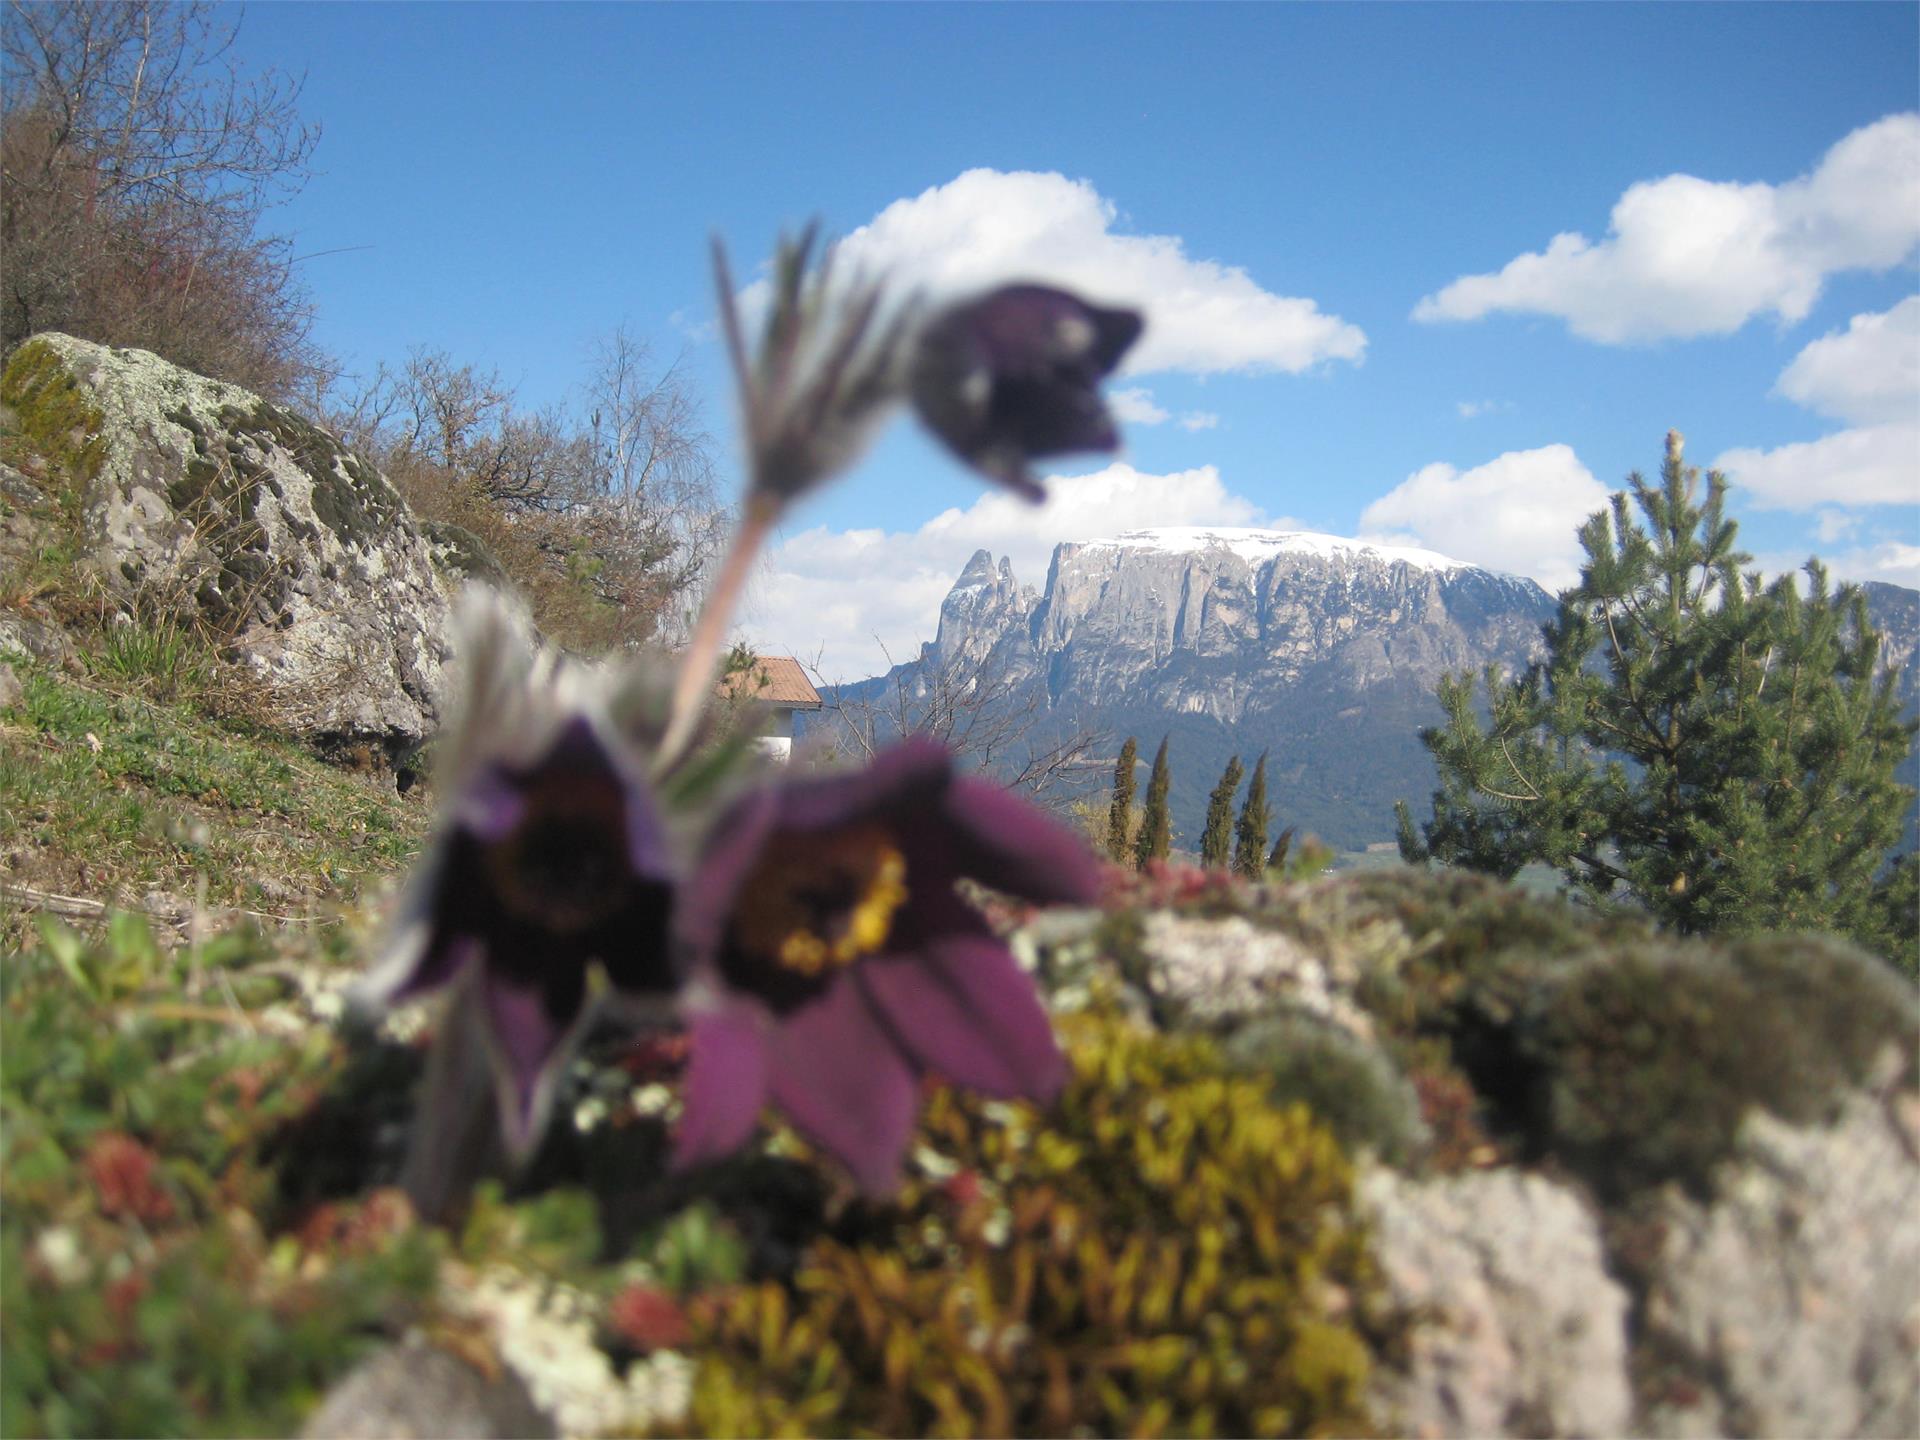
(818, 903)
(867, 923)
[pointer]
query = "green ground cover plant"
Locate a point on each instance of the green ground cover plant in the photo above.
(106, 792)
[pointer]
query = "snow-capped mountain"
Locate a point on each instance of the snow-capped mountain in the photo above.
(1320, 650)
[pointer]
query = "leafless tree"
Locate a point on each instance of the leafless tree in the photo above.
(603, 510)
(653, 464)
(981, 710)
(137, 161)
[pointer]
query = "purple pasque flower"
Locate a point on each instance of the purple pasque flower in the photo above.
(549, 859)
(1015, 374)
(834, 963)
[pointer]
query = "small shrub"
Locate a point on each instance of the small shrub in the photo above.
(142, 1294)
(1351, 1087)
(1164, 1252)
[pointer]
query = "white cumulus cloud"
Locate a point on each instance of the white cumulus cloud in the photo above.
(1890, 561)
(1136, 407)
(1474, 409)
(1199, 420)
(986, 227)
(1517, 513)
(1867, 373)
(1832, 525)
(1685, 256)
(1870, 465)
(853, 597)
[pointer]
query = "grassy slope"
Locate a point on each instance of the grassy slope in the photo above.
(108, 795)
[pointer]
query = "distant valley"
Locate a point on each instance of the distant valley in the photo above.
(1321, 651)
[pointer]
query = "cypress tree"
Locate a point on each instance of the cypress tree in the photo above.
(1277, 858)
(1156, 827)
(1120, 814)
(1216, 841)
(1250, 835)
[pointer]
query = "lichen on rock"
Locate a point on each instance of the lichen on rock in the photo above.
(1521, 1329)
(203, 500)
(1795, 1291)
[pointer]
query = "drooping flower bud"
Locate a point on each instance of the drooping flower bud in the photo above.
(1015, 374)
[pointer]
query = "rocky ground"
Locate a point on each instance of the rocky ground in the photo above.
(1397, 1153)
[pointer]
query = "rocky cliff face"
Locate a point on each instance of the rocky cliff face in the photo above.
(1217, 622)
(1322, 652)
(197, 496)
(985, 613)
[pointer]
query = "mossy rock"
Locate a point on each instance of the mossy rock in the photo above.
(204, 508)
(350, 497)
(46, 406)
(463, 555)
(1351, 1087)
(1644, 1061)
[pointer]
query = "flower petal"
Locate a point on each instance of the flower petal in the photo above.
(419, 951)
(966, 1011)
(528, 1042)
(844, 1083)
(725, 1087)
(705, 903)
(1007, 843)
(901, 784)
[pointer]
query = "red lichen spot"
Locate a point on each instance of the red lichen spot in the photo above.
(383, 1215)
(648, 1319)
(357, 1229)
(962, 1189)
(1166, 884)
(658, 1057)
(123, 1297)
(1683, 1394)
(122, 1171)
(247, 1085)
(322, 1228)
(1451, 1110)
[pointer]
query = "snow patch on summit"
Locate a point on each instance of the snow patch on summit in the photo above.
(1255, 546)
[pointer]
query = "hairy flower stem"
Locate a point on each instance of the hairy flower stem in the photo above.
(701, 662)
(455, 1141)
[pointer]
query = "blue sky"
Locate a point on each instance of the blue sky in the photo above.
(1327, 211)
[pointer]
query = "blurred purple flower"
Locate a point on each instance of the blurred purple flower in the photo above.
(1015, 374)
(835, 963)
(549, 858)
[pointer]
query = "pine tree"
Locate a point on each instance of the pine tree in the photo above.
(1120, 814)
(1156, 826)
(1216, 841)
(1250, 834)
(1716, 750)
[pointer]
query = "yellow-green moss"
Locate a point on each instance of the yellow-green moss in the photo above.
(1162, 1253)
(47, 407)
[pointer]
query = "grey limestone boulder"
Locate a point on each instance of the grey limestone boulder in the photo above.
(1518, 1328)
(417, 1392)
(296, 553)
(1794, 1294)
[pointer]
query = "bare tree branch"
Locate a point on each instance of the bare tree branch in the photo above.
(976, 706)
